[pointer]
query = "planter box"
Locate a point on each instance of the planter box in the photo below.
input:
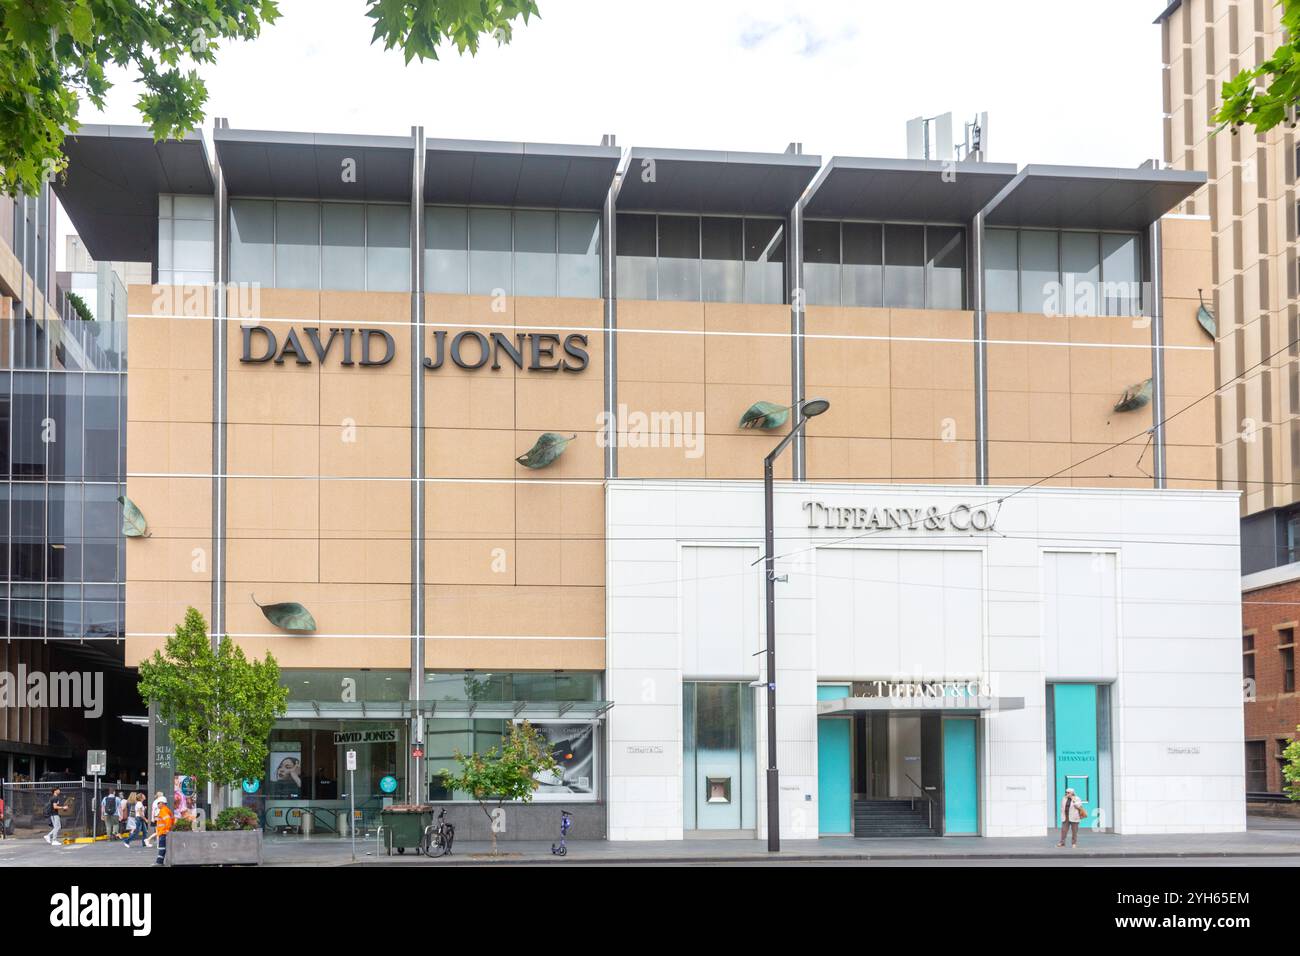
(215, 848)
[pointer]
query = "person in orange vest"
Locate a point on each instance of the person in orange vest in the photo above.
(164, 820)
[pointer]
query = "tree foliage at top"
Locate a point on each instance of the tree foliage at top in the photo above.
(1268, 94)
(218, 705)
(55, 53)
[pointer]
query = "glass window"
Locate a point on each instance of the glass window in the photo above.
(446, 244)
(535, 263)
(1001, 271)
(101, 427)
(489, 252)
(679, 258)
(764, 261)
(28, 426)
(946, 267)
(191, 249)
(388, 248)
(862, 276)
(579, 257)
(1080, 271)
(343, 245)
(636, 256)
(821, 262)
(27, 541)
(102, 524)
(252, 239)
(722, 271)
(1040, 268)
(5, 420)
(66, 416)
(297, 245)
(1121, 274)
(63, 533)
(904, 267)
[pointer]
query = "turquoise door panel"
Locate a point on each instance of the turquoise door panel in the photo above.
(1076, 747)
(834, 767)
(960, 786)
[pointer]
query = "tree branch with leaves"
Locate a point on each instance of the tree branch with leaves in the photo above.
(1266, 95)
(56, 53)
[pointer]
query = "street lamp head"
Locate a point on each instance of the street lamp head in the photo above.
(814, 407)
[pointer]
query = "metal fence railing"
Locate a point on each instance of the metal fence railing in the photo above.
(25, 805)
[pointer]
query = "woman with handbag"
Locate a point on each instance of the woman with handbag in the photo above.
(1072, 811)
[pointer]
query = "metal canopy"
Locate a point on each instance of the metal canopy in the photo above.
(902, 190)
(706, 181)
(484, 709)
(110, 190)
(1082, 197)
(282, 165)
(469, 172)
(845, 706)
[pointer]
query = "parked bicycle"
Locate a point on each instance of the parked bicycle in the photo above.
(438, 836)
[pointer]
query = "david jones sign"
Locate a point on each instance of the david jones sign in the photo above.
(961, 517)
(369, 347)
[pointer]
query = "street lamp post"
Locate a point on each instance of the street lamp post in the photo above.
(804, 411)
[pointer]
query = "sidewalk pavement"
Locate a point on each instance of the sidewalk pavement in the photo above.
(1264, 837)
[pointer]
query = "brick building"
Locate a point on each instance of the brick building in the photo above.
(1270, 615)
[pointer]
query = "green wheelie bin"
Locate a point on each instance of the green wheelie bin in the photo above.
(404, 826)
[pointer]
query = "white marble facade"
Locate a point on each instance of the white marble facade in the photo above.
(1138, 589)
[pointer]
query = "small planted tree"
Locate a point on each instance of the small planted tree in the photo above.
(219, 706)
(507, 772)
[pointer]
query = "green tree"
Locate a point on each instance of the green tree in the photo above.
(55, 53)
(219, 706)
(1269, 93)
(1291, 769)
(503, 773)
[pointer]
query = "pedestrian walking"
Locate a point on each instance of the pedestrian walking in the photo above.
(132, 823)
(124, 815)
(108, 807)
(53, 807)
(158, 799)
(4, 823)
(164, 825)
(1072, 811)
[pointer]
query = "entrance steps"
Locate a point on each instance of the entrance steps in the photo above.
(891, 818)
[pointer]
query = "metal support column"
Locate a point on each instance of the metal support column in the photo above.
(415, 790)
(981, 349)
(1156, 310)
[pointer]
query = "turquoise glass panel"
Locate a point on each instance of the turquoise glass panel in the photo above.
(1076, 746)
(960, 787)
(834, 767)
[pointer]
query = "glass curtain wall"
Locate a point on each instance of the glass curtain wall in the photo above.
(1066, 272)
(62, 455)
(301, 244)
(685, 258)
(529, 252)
(885, 265)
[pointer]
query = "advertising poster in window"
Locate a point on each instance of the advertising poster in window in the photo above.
(574, 748)
(285, 777)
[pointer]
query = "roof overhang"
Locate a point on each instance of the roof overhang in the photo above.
(707, 181)
(846, 706)
(1085, 197)
(110, 190)
(902, 190)
(1168, 11)
(469, 172)
(283, 165)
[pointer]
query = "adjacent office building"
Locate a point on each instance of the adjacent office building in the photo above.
(62, 467)
(1003, 567)
(1252, 292)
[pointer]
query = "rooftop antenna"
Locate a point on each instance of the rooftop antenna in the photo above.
(930, 137)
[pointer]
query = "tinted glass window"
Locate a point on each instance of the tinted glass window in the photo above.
(904, 267)
(723, 246)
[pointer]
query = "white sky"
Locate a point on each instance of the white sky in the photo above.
(1063, 81)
